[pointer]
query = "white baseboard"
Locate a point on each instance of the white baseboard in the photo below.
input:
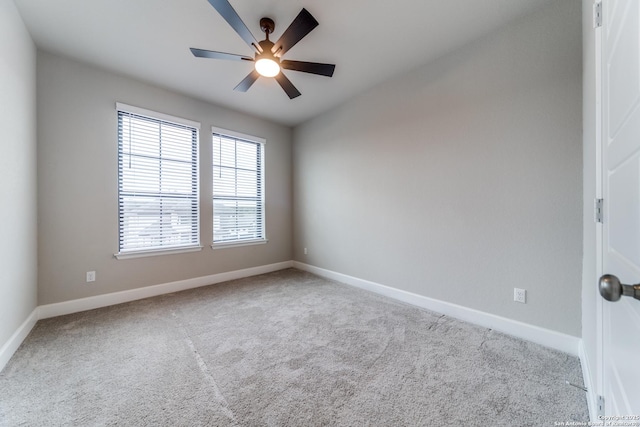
(592, 393)
(89, 303)
(98, 301)
(83, 304)
(548, 338)
(16, 339)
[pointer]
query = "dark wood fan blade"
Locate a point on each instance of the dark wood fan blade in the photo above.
(288, 87)
(309, 67)
(300, 27)
(246, 83)
(229, 14)
(201, 53)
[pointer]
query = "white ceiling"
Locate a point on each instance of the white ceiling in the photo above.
(369, 41)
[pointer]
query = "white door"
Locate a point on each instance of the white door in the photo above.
(621, 193)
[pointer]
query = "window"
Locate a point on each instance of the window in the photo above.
(238, 188)
(157, 182)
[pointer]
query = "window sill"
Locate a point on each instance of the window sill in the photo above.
(222, 245)
(158, 252)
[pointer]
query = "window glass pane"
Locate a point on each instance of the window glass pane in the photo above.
(175, 177)
(151, 222)
(237, 190)
(224, 181)
(237, 220)
(224, 153)
(158, 184)
(247, 156)
(247, 184)
(140, 136)
(173, 143)
(140, 174)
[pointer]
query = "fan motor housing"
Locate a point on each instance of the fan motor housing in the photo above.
(266, 46)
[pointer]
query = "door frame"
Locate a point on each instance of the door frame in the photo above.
(599, 225)
(598, 388)
(592, 352)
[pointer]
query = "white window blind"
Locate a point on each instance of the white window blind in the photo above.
(238, 189)
(157, 182)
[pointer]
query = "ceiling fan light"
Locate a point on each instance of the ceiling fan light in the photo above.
(267, 67)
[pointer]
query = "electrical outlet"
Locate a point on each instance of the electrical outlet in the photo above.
(520, 295)
(91, 276)
(305, 251)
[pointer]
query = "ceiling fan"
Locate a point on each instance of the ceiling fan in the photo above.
(267, 59)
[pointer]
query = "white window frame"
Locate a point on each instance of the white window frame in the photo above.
(137, 253)
(253, 139)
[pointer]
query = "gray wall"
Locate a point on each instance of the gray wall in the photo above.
(460, 180)
(18, 223)
(77, 184)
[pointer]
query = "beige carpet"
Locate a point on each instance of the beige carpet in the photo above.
(281, 349)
